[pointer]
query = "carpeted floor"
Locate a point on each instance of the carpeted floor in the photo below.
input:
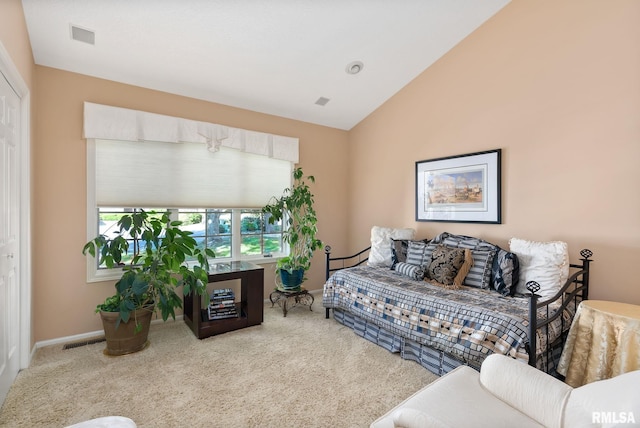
(298, 371)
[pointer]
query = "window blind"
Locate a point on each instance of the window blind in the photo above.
(184, 175)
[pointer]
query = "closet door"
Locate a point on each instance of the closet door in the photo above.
(9, 236)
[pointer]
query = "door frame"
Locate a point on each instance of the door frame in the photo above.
(8, 68)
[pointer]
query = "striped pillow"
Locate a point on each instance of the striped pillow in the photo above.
(479, 275)
(415, 253)
(412, 271)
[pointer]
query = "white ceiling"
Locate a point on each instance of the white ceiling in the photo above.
(270, 56)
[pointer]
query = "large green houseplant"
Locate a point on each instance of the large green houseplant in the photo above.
(295, 208)
(157, 267)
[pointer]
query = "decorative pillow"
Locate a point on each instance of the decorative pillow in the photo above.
(412, 271)
(415, 253)
(445, 264)
(547, 263)
(505, 273)
(380, 253)
(480, 274)
(398, 251)
(399, 248)
(462, 241)
(464, 269)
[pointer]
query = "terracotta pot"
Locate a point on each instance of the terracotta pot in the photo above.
(124, 340)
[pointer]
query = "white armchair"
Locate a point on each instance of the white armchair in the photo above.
(508, 393)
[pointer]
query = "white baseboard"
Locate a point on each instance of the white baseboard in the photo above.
(98, 333)
(89, 335)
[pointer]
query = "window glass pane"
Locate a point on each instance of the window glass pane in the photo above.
(251, 245)
(108, 226)
(257, 235)
(272, 236)
(218, 231)
(251, 232)
(193, 220)
(276, 227)
(272, 243)
(251, 222)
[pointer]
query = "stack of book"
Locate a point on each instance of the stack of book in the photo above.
(222, 304)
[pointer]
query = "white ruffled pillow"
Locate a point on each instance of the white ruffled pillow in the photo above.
(380, 254)
(546, 263)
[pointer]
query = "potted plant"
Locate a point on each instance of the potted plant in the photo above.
(157, 267)
(295, 207)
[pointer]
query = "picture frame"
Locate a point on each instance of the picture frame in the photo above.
(463, 188)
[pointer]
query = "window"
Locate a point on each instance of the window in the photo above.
(234, 233)
(183, 175)
(253, 239)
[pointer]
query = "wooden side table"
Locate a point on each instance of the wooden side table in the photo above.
(603, 342)
(282, 297)
(250, 307)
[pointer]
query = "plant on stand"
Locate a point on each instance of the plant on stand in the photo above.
(157, 267)
(295, 208)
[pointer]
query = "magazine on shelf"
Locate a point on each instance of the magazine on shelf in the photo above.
(216, 315)
(222, 305)
(222, 293)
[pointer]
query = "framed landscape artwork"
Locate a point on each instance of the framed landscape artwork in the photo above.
(464, 188)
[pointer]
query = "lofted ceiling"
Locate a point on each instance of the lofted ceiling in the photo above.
(278, 57)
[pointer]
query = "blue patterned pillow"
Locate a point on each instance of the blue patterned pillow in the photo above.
(398, 251)
(412, 271)
(505, 272)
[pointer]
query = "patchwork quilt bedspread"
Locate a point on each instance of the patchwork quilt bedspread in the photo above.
(468, 323)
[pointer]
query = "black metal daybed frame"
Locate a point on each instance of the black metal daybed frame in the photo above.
(573, 292)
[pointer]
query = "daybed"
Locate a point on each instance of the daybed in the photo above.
(441, 326)
(509, 394)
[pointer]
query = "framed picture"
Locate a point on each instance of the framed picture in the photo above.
(464, 188)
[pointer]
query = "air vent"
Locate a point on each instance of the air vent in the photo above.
(322, 101)
(83, 343)
(83, 35)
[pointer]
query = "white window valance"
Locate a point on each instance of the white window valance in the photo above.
(115, 123)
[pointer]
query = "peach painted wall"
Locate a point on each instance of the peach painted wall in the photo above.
(15, 39)
(64, 302)
(556, 86)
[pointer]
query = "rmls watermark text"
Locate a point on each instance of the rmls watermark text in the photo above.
(613, 418)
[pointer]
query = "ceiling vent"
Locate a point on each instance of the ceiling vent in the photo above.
(322, 101)
(83, 35)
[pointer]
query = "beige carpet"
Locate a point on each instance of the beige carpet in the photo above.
(298, 371)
